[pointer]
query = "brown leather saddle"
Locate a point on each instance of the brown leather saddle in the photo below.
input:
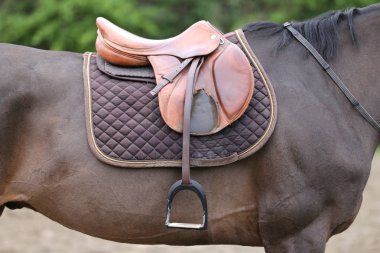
(204, 83)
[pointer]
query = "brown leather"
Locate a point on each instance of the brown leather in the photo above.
(225, 76)
(127, 49)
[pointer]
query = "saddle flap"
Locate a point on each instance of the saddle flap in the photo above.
(234, 82)
(224, 86)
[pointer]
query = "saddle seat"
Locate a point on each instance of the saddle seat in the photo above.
(127, 49)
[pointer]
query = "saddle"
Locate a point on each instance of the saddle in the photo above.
(204, 83)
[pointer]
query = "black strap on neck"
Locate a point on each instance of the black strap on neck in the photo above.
(355, 103)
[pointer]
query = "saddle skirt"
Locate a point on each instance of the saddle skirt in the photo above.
(224, 82)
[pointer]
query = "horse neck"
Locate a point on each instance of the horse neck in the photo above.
(358, 65)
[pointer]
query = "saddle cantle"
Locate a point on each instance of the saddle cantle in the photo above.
(204, 83)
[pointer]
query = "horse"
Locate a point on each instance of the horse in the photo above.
(304, 186)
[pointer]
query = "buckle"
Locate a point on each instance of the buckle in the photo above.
(198, 189)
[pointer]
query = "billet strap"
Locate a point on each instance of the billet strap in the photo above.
(354, 102)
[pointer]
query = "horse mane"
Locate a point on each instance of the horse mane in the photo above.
(321, 31)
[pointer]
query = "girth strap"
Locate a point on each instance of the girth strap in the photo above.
(355, 103)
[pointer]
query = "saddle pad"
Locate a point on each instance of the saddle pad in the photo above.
(125, 128)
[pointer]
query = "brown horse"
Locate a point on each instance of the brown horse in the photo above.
(302, 187)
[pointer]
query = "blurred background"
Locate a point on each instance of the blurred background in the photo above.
(70, 25)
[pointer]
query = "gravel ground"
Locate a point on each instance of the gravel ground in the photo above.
(25, 231)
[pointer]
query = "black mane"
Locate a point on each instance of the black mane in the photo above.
(321, 32)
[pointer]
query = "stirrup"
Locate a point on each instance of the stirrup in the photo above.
(198, 189)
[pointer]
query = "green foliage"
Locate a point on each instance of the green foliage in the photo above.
(70, 24)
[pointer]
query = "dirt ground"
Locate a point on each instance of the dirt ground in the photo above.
(24, 231)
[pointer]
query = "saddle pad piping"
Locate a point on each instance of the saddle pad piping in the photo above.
(272, 123)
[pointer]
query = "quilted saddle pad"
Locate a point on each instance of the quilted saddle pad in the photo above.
(125, 128)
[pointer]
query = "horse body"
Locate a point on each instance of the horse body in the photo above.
(302, 187)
